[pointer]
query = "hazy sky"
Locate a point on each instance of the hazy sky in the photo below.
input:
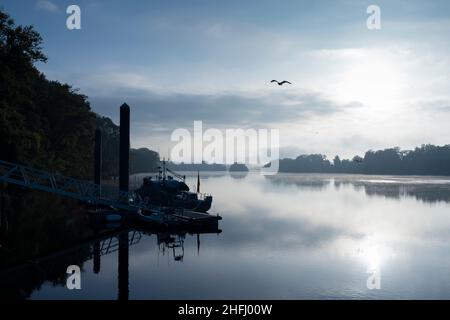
(175, 62)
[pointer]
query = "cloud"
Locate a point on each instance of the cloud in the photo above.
(47, 5)
(228, 109)
(175, 105)
(290, 152)
(277, 233)
(434, 106)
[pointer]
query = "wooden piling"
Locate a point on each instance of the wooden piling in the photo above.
(98, 158)
(124, 160)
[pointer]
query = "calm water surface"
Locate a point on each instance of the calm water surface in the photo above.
(290, 236)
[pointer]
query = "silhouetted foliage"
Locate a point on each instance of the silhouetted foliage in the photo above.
(110, 146)
(143, 160)
(196, 166)
(45, 123)
(238, 167)
(424, 160)
(42, 123)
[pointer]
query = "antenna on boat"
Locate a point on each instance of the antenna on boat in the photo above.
(198, 244)
(164, 168)
(198, 181)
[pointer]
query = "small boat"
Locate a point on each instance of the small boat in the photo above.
(169, 189)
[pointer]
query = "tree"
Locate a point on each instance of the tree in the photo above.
(424, 160)
(45, 123)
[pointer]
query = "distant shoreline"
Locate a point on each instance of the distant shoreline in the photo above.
(194, 173)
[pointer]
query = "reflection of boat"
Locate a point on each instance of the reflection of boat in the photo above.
(172, 191)
(174, 242)
(19, 279)
(179, 217)
(163, 217)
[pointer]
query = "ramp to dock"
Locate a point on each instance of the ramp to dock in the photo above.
(81, 190)
(91, 193)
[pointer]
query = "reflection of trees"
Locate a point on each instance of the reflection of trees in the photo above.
(429, 193)
(39, 223)
(196, 166)
(46, 234)
(238, 175)
(426, 192)
(314, 183)
(20, 281)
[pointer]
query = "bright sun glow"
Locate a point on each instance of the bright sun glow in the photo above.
(371, 80)
(374, 254)
(373, 257)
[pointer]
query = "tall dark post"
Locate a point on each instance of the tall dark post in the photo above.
(124, 160)
(2, 212)
(198, 244)
(123, 258)
(124, 180)
(98, 158)
(97, 257)
(3, 220)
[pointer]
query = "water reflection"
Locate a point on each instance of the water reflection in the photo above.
(421, 188)
(312, 182)
(20, 281)
(286, 236)
(172, 243)
(238, 175)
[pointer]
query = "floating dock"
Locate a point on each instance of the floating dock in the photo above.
(124, 204)
(117, 206)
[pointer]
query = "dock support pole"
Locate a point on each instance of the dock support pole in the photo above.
(97, 257)
(123, 258)
(2, 213)
(98, 159)
(124, 160)
(124, 184)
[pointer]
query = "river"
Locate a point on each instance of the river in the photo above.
(289, 236)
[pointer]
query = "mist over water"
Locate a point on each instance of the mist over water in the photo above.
(293, 236)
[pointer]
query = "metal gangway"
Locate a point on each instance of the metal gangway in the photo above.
(111, 244)
(85, 191)
(51, 263)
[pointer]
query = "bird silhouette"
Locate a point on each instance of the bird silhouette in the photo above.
(280, 83)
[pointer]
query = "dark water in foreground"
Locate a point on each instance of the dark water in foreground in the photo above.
(283, 237)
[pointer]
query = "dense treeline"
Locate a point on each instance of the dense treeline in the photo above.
(238, 167)
(42, 123)
(424, 160)
(110, 146)
(142, 160)
(45, 123)
(196, 166)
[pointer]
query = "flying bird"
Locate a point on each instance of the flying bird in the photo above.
(280, 83)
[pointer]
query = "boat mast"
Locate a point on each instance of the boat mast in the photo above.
(164, 169)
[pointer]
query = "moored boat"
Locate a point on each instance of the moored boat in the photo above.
(169, 189)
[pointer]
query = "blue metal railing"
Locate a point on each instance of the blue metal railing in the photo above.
(111, 244)
(81, 190)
